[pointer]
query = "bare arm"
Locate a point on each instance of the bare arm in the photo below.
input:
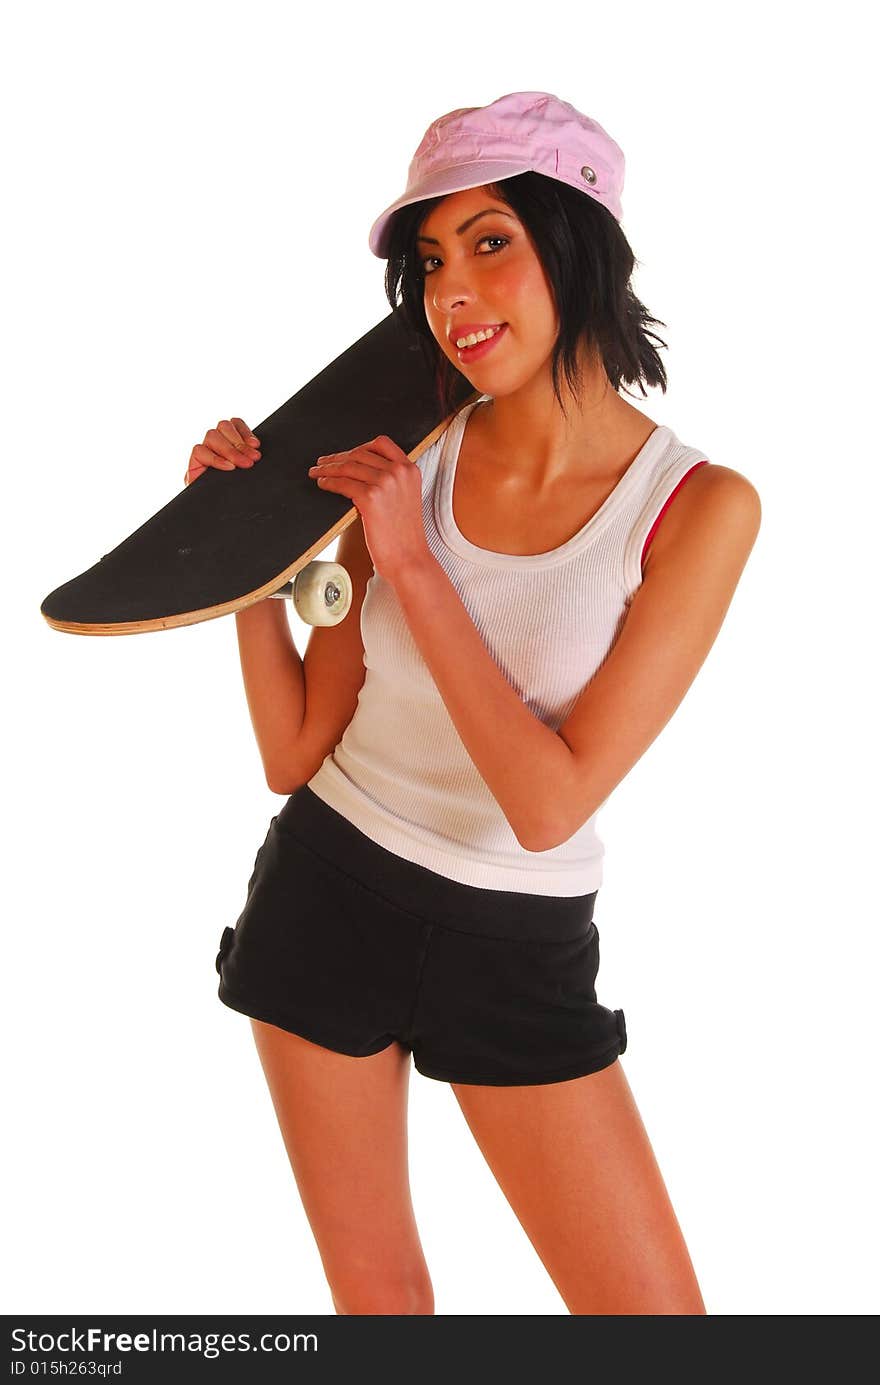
(274, 681)
(300, 707)
(518, 756)
(549, 783)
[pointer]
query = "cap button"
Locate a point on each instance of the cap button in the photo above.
(588, 174)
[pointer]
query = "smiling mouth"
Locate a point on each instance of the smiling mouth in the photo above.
(480, 348)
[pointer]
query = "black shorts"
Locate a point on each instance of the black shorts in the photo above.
(353, 947)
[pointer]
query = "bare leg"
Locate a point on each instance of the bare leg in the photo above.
(574, 1161)
(343, 1121)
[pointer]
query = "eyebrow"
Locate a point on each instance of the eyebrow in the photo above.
(489, 211)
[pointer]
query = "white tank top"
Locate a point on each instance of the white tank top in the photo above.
(401, 773)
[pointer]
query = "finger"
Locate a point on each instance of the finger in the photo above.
(357, 491)
(357, 470)
(227, 445)
(194, 470)
(228, 430)
(238, 433)
(364, 454)
(249, 438)
(387, 448)
(208, 453)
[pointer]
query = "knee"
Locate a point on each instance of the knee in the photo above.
(384, 1297)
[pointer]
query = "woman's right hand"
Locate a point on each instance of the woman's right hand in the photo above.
(227, 446)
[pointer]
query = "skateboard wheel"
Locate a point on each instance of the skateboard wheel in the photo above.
(322, 593)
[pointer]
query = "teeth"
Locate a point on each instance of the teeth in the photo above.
(477, 336)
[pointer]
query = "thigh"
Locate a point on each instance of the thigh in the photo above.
(344, 1124)
(575, 1163)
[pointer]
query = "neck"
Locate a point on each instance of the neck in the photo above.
(527, 432)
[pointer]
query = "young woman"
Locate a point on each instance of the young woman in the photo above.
(533, 598)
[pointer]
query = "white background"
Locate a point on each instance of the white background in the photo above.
(188, 191)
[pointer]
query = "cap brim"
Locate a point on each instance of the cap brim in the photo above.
(440, 184)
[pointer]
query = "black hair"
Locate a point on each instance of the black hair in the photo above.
(589, 263)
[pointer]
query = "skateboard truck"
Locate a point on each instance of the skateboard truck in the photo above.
(321, 593)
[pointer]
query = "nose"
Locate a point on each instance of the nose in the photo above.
(451, 294)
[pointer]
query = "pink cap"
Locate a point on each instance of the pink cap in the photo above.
(526, 131)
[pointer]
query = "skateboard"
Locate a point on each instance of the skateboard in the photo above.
(232, 538)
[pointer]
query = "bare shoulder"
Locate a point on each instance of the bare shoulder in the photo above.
(691, 572)
(716, 505)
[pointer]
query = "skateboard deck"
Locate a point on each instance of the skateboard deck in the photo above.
(231, 538)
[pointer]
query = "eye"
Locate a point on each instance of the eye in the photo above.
(503, 239)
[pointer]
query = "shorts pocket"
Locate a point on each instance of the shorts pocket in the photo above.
(226, 941)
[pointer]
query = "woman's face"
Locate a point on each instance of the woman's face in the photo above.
(487, 273)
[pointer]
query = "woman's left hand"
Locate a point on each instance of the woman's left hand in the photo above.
(386, 487)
